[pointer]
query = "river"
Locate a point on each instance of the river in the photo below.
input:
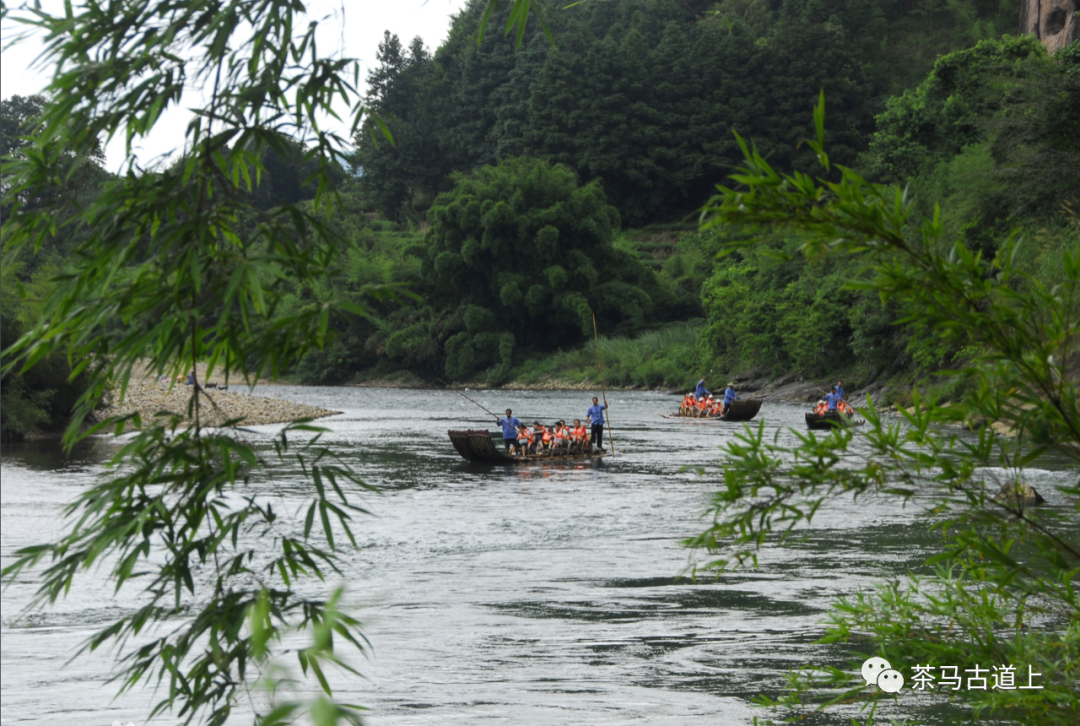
(540, 594)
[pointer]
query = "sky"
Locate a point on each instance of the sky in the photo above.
(359, 37)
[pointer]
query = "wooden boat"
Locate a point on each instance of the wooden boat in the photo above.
(830, 419)
(739, 411)
(479, 447)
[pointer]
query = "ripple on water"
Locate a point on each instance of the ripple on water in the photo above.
(551, 594)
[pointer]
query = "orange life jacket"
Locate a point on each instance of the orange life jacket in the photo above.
(579, 433)
(562, 433)
(526, 437)
(546, 438)
(703, 403)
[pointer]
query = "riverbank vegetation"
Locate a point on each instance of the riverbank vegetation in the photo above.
(984, 131)
(513, 205)
(41, 399)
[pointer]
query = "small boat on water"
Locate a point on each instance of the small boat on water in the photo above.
(479, 447)
(738, 411)
(830, 419)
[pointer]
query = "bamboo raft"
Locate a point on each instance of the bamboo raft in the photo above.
(830, 419)
(479, 447)
(739, 411)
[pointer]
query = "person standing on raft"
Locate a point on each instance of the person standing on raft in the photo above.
(729, 397)
(701, 391)
(841, 401)
(510, 426)
(595, 416)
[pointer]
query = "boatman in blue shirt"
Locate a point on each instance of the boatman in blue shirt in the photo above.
(595, 415)
(831, 399)
(510, 429)
(701, 391)
(840, 390)
(729, 396)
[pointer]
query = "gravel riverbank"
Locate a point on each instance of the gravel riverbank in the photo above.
(148, 397)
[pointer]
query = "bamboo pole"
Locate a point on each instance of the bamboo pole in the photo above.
(603, 392)
(464, 396)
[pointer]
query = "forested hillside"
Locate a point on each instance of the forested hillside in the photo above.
(991, 137)
(644, 94)
(528, 189)
(646, 98)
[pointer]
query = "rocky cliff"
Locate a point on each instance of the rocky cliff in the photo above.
(1054, 22)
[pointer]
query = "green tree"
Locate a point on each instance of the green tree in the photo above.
(536, 251)
(770, 311)
(1003, 591)
(639, 95)
(805, 54)
(947, 111)
(1033, 139)
(288, 177)
(41, 399)
(645, 101)
(989, 134)
(177, 267)
(1008, 162)
(22, 124)
(404, 92)
(897, 43)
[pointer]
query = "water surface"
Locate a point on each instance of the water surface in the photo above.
(545, 594)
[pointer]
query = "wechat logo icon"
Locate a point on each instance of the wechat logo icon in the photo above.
(878, 671)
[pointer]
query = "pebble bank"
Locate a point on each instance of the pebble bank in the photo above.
(148, 397)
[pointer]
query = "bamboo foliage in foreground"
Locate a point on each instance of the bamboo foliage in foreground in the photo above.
(1003, 590)
(180, 266)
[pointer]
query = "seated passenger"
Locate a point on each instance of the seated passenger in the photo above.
(578, 437)
(702, 407)
(545, 436)
(688, 404)
(526, 440)
(562, 437)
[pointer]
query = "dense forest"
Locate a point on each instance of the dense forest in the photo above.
(644, 95)
(526, 190)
